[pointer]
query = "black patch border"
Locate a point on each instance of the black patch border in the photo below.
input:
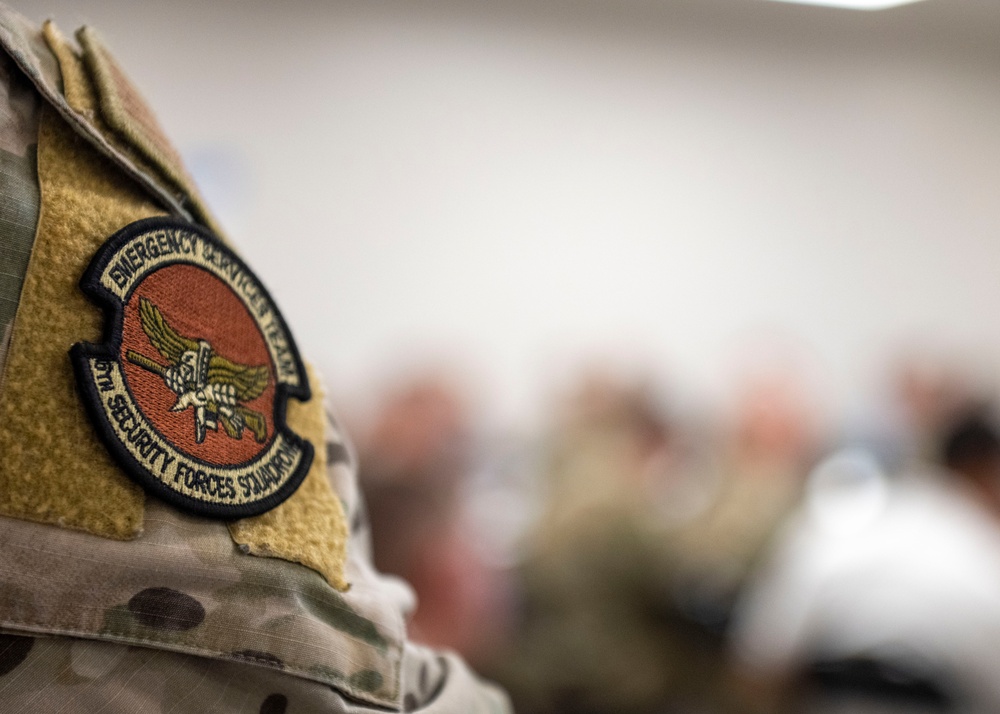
(110, 349)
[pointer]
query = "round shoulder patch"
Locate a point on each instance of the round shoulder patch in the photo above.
(188, 391)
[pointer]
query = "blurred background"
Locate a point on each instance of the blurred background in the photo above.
(664, 328)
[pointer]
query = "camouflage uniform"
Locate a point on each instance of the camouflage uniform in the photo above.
(180, 618)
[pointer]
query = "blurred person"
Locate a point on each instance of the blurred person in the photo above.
(883, 592)
(934, 393)
(415, 456)
(598, 631)
(971, 449)
(924, 393)
(416, 462)
(756, 480)
(180, 525)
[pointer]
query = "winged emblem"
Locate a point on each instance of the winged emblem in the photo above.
(203, 380)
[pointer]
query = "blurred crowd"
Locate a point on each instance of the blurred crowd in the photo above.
(636, 558)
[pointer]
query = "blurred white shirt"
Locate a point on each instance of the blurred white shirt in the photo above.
(905, 571)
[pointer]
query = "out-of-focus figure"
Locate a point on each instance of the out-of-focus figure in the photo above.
(648, 534)
(599, 631)
(971, 450)
(756, 481)
(884, 593)
(415, 461)
(904, 422)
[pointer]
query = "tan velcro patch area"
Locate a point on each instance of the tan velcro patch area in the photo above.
(76, 86)
(102, 96)
(127, 114)
(310, 527)
(54, 469)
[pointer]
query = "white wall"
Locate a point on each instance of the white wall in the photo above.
(522, 182)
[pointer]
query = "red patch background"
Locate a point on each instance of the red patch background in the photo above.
(197, 305)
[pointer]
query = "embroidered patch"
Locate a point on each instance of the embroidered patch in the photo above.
(189, 390)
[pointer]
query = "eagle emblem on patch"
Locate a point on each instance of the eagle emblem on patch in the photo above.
(188, 391)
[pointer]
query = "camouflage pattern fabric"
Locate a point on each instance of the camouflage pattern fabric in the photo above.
(186, 586)
(19, 200)
(49, 674)
(182, 619)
